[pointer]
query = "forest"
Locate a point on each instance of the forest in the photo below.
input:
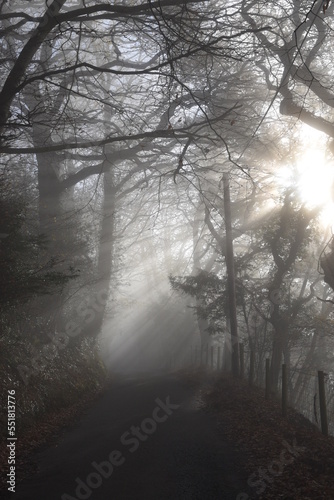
(123, 126)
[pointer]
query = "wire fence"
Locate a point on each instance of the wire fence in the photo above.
(303, 385)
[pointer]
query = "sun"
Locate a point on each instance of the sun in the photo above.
(315, 181)
(311, 174)
(314, 178)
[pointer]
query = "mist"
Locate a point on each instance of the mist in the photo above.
(166, 249)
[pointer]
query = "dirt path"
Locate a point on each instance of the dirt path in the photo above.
(144, 438)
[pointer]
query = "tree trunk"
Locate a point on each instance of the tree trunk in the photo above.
(49, 200)
(276, 358)
(197, 249)
(231, 278)
(100, 291)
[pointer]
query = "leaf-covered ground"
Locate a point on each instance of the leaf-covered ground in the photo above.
(45, 431)
(286, 458)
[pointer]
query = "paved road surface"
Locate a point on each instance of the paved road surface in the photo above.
(144, 439)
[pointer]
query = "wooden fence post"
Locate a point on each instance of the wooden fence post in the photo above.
(267, 379)
(242, 360)
(284, 390)
(322, 402)
(207, 356)
(251, 367)
(218, 358)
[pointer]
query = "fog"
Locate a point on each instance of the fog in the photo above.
(167, 206)
(149, 328)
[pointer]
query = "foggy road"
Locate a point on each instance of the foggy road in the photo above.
(145, 438)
